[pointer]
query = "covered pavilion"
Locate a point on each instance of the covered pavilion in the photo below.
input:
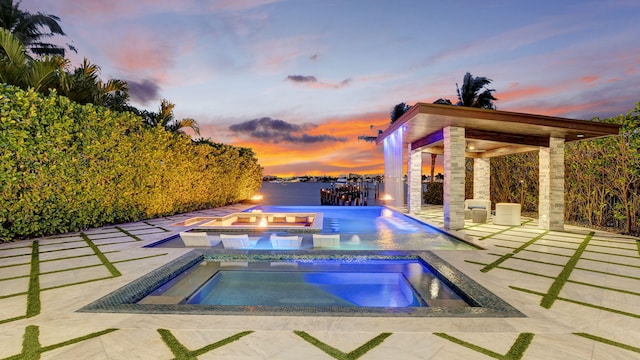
(458, 132)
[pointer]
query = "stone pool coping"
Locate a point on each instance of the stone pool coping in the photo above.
(124, 300)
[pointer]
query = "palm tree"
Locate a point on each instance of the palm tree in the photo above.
(84, 86)
(32, 29)
(165, 118)
(398, 111)
(474, 92)
(19, 69)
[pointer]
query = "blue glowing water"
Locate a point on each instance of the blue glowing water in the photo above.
(372, 283)
(375, 228)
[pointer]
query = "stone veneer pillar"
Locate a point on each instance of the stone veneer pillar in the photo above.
(414, 181)
(481, 178)
(551, 197)
(454, 145)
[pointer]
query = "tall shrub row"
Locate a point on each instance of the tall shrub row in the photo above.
(602, 178)
(66, 167)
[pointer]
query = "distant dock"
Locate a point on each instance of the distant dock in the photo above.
(348, 194)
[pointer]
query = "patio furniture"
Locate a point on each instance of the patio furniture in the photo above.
(507, 214)
(237, 241)
(478, 215)
(285, 242)
(467, 214)
(471, 204)
(326, 241)
(198, 239)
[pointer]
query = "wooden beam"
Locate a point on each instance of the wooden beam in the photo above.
(507, 150)
(428, 140)
(520, 139)
(433, 150)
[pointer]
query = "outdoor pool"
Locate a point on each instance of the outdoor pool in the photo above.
(359, 227)
(394, 283)
(280, 283)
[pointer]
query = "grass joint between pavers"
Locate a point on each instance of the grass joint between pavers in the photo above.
(337, 354)
(182, 353)
(112, 269)
(516, 352)
(128, 233)
(33, 294)
(555, 288)
(32, 349)
(609, 342)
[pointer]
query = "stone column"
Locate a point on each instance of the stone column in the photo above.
(481, 178)
(414, 181)
(454, 144)
(551, 197)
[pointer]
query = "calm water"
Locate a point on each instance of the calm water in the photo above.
(300, 193)
(335, 282)
(373, 228)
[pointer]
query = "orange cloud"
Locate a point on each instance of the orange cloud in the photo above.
(517, 92)
(331, 158)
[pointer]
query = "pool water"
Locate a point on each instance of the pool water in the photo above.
(376, 228)
(249, 288)
(361, 228)
(373, 283)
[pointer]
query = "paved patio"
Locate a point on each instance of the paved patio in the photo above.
(580, 290)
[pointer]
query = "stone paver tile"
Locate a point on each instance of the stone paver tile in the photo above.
(607, 352)
(14, 286)
(87, 349)
(72, 276)
(147, 231)
(65, 253)
(558, 346)
(582, 293)
(61, 245)
(628, 303)
(11, 339)
(561, 250)
(7, 252)
(15, 261)
(12, 307)
(68, 263)
(144, 343)
(533, 267)
(13, 271)
(113, 235)
(114, 240)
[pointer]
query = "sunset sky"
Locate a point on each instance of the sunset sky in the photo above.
(299, 80)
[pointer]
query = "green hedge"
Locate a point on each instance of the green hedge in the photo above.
(66, 167)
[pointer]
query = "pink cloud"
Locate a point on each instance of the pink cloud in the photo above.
(590, 78)
(275, 55)
(235, 5)
(315, 159)
(517, 92)
(104, 11)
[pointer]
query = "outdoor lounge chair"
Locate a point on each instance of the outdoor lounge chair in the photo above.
(191, 239)
(478, 204)
(237, 241)
(326, 241)
(285, 242)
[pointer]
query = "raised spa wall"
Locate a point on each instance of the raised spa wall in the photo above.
(259, 221)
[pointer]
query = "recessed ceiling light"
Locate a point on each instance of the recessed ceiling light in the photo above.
(580, 135)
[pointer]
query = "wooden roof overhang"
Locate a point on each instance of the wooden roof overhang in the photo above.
(490, 133)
